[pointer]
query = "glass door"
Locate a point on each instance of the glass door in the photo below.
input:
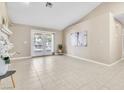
(43, 44)
(48, 43)
(38, 42)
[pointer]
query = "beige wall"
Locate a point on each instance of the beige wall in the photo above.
(19, 36)
(98, 39)
(22, 41)
(104, 36)
(115, 8)
(115, 44)
(106, 7)
(3, 12)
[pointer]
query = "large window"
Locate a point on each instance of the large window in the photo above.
(43, 41)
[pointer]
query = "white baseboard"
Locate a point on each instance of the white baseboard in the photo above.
(93, 61)
(116, 62)
(20, 58)
(84, 59)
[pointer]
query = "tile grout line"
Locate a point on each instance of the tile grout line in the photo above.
(38, 78)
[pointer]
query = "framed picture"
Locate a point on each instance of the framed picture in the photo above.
(74, 39)
(79, 39)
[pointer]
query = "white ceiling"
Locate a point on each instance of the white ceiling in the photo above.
(120, 18)
(61, 15)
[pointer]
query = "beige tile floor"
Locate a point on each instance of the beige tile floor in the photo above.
(62, 73)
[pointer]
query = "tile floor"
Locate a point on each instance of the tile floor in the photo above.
(64, 73)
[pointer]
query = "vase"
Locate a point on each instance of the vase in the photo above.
(3, 67)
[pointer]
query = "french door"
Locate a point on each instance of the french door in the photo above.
(42, 43)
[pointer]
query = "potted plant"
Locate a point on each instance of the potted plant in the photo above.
(4, 55)
(60, 47)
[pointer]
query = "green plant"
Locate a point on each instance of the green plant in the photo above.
(60, 46)
(7, 60)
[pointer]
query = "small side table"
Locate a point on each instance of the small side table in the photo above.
(9, 73)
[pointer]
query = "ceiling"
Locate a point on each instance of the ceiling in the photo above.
(61, 15)
(120, 18)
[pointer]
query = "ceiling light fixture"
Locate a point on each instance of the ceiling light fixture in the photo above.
(48, 4)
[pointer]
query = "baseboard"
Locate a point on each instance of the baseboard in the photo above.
(84, 59)
(20, 58)
(93, 61)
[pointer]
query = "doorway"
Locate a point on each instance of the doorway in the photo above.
(42, 43)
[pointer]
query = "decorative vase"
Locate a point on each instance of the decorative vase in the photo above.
(3, 67)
